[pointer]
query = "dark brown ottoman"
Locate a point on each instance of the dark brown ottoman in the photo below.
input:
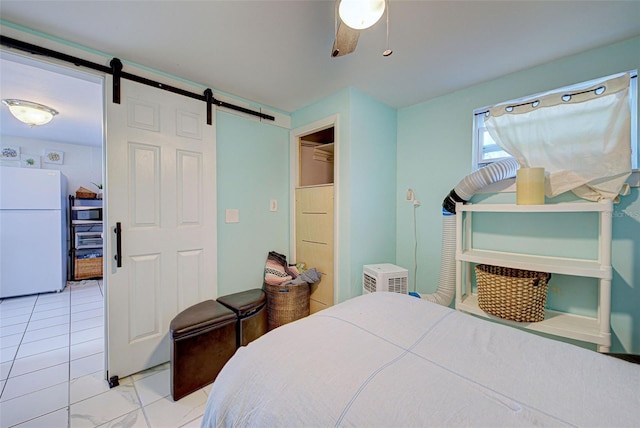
(203, 338)
(251, 310)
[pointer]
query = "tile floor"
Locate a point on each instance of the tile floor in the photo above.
(51, 369)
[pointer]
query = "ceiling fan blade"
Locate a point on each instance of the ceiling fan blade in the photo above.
(346, 40)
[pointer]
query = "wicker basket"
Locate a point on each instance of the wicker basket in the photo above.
(84, 193)
(88, 268)
(512, 294)
(286, 303)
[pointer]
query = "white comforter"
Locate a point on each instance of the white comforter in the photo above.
(391, 360)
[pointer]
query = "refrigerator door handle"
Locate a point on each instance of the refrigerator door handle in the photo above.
(118, 232)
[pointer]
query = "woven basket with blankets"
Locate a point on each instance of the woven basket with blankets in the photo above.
(287, 290)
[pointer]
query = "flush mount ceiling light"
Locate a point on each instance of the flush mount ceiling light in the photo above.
(361, 14)
(29, 112)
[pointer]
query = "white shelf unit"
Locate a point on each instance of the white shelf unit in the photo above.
(595, 330)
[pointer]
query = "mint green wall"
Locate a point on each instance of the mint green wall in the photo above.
(373, 185)
(366, 181)
(434, 153)
(339, 104)
(252, 169)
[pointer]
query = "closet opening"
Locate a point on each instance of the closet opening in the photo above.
(315, 209)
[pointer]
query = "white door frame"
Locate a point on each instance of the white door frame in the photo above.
(294, 167)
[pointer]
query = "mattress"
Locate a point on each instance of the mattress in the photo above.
(392, 360)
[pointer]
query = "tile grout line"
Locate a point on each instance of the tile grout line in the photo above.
(13, 360)
(69, 366)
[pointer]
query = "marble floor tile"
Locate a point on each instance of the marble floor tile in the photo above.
(17, 302)
(45, 333)
(85, 349)
(83, 315)
(52, 369)
(57, 419)
(168, 413)
(196, 423)
(86, 335)
(51, 305)
(84, 298)
(40, 361)
(35, 381)
(87, 365)
(14, 319)
(8, 353)
(91, 385)
(52, 297)
(86, 307)
(87, 323)
(10, 311)
(48, 322)
(12, 340)
(134, 419)
(153, 388)
(150, 371)
(43, 345)
(33, 405)
(4, 369)
(13, 329)
(103, 408)
(50, 313)
(88, 299)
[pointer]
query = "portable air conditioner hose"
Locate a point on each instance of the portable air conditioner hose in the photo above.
(463, 191)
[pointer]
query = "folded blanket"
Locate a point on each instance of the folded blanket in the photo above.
(277, 270)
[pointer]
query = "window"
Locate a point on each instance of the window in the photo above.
(486, 151)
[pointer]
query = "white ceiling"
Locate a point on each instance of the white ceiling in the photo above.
(76, 96)
(277, 53)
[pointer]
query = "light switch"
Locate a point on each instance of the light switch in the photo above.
(232, 216)
(273, 205)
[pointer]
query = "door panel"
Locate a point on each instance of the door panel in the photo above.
(314, 240)
(189, 188)
(145, 275)
(144, 168)
(161, 187)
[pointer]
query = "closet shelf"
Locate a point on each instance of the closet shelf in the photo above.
(323, 152)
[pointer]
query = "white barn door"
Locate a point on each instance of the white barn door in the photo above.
(160, 188)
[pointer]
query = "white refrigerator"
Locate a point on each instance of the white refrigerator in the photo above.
(33, 231)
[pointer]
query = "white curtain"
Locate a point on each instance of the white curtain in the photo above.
(582, 138)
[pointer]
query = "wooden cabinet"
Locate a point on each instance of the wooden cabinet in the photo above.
(314, 239)
(588, 329)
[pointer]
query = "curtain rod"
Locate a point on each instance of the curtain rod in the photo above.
(484, 111)
(116, 71)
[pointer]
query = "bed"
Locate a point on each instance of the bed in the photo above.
(392, 360)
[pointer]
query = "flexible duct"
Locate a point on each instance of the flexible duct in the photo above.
(463, 191)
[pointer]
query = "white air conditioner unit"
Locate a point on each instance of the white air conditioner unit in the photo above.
(385, 277)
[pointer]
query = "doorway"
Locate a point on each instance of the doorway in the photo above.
(314, 207)
(75, 139)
